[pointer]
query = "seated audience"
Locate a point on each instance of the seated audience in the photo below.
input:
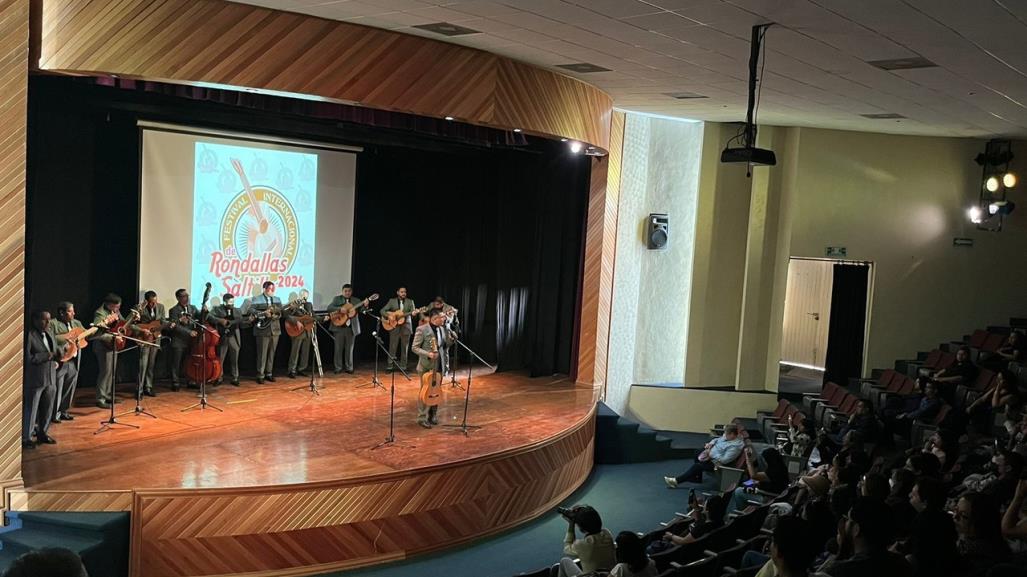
(862, 421)
(901, 482)
(705, 519)
(800, 441)
(792, 547)
(1003, 395)
(722, 451)
(50, 562)
(864, 536)
(632, 560)
(772, 479)
(594, 550)
(874, 486)
(980, 533)
(1000, 478)
(961, 372)
(1012, 350)
(928, 408)
(1013, 527)
(931, 547)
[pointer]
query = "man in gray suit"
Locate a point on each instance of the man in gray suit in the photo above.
(150, 311)
(67, 373)
(399, 337)
(228, 320)
(103, 347)
(40, 385)
(346, 334)
(183, 315)
(299, 351)
(430, 342)
(267, 309)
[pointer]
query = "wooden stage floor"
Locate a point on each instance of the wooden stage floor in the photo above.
(271, 435)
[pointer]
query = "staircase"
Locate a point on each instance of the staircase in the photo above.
(100, 539)
(621, 440)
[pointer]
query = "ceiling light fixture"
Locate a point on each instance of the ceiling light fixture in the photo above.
(449, 118)
(575, 146)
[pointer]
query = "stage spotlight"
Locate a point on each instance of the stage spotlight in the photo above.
(993, 208)
(449, 118)
(975, 214)
(575, 146)
(991, 184)
(1002, 207)
(517, 130)
(1009, 180)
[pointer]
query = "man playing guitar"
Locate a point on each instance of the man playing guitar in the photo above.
(452, 324)
(104, 343)
(67, 373)
(346, 333)
(266, 310)
(299, 351)
(150, 311)
(399, 337)
(183, 315)
(227, 320)
(430, 344)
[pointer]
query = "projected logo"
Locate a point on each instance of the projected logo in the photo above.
(262, 228)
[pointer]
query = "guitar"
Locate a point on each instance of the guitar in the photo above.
(431, 382)
(74, 340)
(393, 319)
(262, 319)
(348, 311)
(120, 328)
(150, 330)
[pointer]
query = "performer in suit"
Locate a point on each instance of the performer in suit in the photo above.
(399, 337)
(150, 310)
(430, 342)
(183, 315)
(228, 320)
(103, 347)
(346, 335)
(67, 373)
(40, 384)
(266, 330)
(452, 324)
(299, 352)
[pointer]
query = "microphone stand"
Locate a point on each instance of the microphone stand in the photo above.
(139, 408)
(375, 383)
(313, 386)
(453, 382)
(198, 326)
(112, 421)
(391, 439)
(463, 427)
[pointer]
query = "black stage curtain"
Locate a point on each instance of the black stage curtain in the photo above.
(844, 358)
(496, 230)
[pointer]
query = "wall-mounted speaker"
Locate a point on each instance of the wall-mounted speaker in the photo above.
(657, 231)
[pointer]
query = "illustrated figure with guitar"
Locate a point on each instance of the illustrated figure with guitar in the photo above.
(105, 342)
(298, 315)
(69, 334)
(344, 314)
(183, 315)
(266, 309)
(153, 319)
(396, 318)
(39, 387)
(430, 343)
(228, 320)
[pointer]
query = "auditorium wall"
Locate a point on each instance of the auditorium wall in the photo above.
(899, 201)
(649, 321)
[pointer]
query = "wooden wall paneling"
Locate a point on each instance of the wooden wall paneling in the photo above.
(600, 249)
(237, 45)
(14, 45)
(34, 500)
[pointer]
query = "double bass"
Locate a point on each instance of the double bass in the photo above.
(203, 364)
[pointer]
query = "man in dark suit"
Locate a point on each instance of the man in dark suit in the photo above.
(346, 334)
(150, 311)
(299, 351)
(430, 342)
(228, 319)
(183, 315)
(267, 310)
(399, 337)
(67, 373)
(103, 347)
(40, 385)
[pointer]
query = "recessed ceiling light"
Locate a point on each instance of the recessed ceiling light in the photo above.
(883, 116)
(447, 29)
(517, 130)
(685, 95)
(583, 67)
(910, 63)
(449, 118)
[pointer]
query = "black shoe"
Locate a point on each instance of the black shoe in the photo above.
(28, 445)
(434, 420)
(235, 382)
(350, 371)
(270, 379)
(260, 380)
(424, 424)
(303, 373)
(46, 440)
(292, 374)
(150, 393)
(193, 385)
(56, 420)
(175, 387)
(217, 383)
(103, 404)
(67, 417)
(337, 371)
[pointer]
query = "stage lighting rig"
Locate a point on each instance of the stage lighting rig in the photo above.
(993, 203)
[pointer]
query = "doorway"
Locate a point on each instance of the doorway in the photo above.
(825, 319)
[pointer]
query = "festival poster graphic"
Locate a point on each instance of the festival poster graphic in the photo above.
(253, 220)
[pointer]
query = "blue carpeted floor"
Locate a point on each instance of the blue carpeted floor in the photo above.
(629, 498)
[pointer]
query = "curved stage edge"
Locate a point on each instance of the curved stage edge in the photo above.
(318, 527)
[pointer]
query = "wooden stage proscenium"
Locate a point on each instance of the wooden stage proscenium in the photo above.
(287, 483)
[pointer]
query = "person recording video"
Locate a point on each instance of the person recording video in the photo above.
(595, 549)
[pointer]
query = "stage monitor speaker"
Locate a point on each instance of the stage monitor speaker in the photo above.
(657, 232)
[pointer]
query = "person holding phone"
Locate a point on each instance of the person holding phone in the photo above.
(771, 479)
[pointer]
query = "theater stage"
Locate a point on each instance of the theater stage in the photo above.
(286, 482)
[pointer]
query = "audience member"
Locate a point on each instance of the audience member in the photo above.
(723, 450)
(862, 421)
(1012, 526)
(961, 372)
(864, 536)
(874, 486)
(771, 480)
(1000, 479)
(928, 408)
(632, 560)
(1011, 350)
(595, 549)
(931, 547)
(1003, 394)
(50, 562)
(704, 520)
(800, 441)
(980, 533)
(793, 547)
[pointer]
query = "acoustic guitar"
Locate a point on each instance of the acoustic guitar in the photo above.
(431, 382)
(296, 326)
(347, 311)
(74, 341)
(121, 328)
(393, 319)
(150, 330)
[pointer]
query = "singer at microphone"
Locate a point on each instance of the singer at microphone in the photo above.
(299, 352)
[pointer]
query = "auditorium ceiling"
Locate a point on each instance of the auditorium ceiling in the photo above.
(688, 58)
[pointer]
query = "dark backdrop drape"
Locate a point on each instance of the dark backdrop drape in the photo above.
(496, 230)
(844, 358)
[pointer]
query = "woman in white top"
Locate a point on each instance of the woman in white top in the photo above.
(631, 558)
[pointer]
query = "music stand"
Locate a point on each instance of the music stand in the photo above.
(139, 408)
(464, 427)
(112, 420)
(391, 439)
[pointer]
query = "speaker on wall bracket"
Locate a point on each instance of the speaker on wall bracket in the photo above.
(657, 231)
